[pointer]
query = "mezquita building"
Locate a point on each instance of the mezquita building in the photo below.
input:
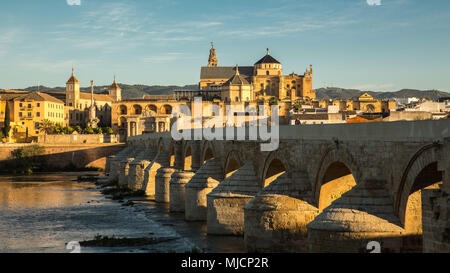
(263, 80)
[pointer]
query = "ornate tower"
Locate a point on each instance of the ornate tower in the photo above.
(114, 91)
(73, 91)
(93, 121)
(307, 90)
(212, 61)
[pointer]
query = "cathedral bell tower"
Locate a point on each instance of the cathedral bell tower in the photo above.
(73, 91)
(114, 91)
(212, 61)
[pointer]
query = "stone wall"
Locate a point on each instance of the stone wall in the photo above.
(78, 139)
(60, 156)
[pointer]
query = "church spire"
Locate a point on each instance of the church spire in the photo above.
(212, 61)
(237, 70)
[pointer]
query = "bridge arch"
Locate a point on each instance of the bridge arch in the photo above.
(337, 174)
(232, 163)
(420, 173)
(187, 157)
(274, 166)
(208, 152)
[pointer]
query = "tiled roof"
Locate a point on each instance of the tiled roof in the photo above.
(9, 96)
(224, 72)
(311, 116)
(38, 96)
(85, 96)
(72, 79)
(114, 85)
(236, 80)
(267, 60)
(97, 97)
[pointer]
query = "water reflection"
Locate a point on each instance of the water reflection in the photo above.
(41, 213)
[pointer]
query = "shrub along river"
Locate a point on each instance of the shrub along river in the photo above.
(44, 212)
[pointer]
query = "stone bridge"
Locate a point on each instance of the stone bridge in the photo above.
(327, 188)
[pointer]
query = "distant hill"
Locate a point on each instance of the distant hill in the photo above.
(138, 91)
(128, 91)
(341, 93)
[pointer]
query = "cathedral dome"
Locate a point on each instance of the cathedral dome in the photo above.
(267, 59)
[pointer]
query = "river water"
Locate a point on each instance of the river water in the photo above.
(44, 212)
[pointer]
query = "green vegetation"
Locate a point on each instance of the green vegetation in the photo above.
(113, 241)
(297, 105)
(120, 192)
(89, 130)
(48, 127)
(25, 159)
(7, 127)
(273, 101)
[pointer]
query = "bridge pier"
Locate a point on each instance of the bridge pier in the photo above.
(137, 168)
(203, 182)
(177, 193)
(226, 202)
(149, 184)
(162, 184)
(124, 166)
(436, 209)
(363, 214)
(113, 163)
(276, 219)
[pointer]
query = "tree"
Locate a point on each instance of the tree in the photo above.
(108, 130)
(7, 126)
(78, 129)
(273, 101)
(98, 131)
(297, 106)
(46, 126)
(89, 130)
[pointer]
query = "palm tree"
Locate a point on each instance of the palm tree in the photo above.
(46, 126)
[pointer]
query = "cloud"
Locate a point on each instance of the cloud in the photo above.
(374, 2)
(166, 58)
(74, 2)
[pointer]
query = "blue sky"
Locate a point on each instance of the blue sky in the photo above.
(377, 45)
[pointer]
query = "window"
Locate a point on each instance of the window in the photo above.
(29, 105)
(20, 114)
(267, 73)
(38, 104)
(29, 114)
(20, 104)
